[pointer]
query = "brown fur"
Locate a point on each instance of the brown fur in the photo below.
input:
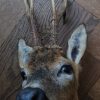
(45, 59)
(42, 65)
(46, 55)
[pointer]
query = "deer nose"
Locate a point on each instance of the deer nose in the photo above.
(31, 94)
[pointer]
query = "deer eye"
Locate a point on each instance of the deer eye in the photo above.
(65, 69)
(23, 75)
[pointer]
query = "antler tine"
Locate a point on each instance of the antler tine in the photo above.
(65, 3)
(53, 35)
(30, 4)
(54, 21)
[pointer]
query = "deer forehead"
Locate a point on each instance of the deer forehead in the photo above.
(51, 57)
(46, 55)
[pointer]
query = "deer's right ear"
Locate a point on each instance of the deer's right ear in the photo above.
(77, 44)
(24, 52)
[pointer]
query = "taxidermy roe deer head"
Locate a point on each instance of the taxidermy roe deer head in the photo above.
(49, 74)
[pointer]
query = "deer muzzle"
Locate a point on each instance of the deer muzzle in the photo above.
(31, 94)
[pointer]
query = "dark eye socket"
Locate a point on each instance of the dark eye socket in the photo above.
(65, 69)
(23, 75)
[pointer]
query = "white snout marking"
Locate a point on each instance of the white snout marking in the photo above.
(33, 84)
(64, 79)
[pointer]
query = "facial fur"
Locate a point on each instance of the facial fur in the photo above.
(44, 67)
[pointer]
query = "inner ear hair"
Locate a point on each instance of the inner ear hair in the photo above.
(77, 44)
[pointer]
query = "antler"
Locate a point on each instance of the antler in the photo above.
(53, 35)
(65, 3)
(54, 20)
(30, 11)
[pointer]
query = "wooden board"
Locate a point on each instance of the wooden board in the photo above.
(95, 91)
(10, 13)
(91, 5)
(10, 79)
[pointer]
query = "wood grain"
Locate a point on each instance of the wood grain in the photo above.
(95, 91)
(92, 6)
(10, 13)
(10, 79)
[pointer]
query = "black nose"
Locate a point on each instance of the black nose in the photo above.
(31, 94)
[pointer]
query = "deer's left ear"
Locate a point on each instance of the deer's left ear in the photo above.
(24, 52)
(77, 44)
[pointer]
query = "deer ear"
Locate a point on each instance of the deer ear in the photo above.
(77, 44)
(24, 52)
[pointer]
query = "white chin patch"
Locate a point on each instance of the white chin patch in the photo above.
(35, 84)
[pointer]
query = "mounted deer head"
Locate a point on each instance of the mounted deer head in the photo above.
(49, 74)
